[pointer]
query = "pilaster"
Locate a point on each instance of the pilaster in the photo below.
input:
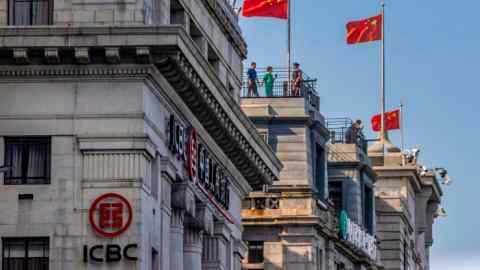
(176, 236)
(192, 248)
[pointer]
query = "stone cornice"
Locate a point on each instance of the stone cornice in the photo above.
(89, 143)
(131, 51)
(177, 70)
(430, 181)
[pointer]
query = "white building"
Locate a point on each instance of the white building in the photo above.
(122, 135)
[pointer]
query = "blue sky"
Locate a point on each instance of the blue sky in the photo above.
(433, 66)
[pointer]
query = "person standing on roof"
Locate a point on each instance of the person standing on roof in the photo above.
(252, 80)
(268, 80)
(297, 79)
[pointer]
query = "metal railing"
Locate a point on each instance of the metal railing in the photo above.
(338, 128)
(306, 88)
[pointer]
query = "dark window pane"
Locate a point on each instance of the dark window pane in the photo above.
(15, 264)
(14, 159)
(336, 194)
(37, 248)
(37, 264)
(22, 13)
(25, 253)
(40, 10)
(14, 249)
(320, 171)
(255, 252)
(29, 159)
(29, 12)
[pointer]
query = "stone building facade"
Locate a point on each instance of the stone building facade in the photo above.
(408, 198)
(124, 140)
(292, 224)
(338, 204)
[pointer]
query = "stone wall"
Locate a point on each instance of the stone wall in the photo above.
(106, 137)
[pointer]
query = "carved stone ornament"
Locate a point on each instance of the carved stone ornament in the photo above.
(183, 198)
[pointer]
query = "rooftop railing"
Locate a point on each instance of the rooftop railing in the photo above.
(338, 128)
(306, 88)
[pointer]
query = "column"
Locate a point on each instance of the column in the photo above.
(176, 240)
(421, 203)
(239, 252)
(192, 249)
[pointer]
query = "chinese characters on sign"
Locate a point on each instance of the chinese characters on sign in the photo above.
(354, 234)
(201, 166)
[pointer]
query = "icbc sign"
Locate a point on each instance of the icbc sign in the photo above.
(110, 215)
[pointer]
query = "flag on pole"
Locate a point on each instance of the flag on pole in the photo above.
(265, 8)
(392, 121)
(366, 30)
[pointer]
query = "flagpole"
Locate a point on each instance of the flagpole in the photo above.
(402, 134)
(383, 135)
(289, 46)
(383, 144)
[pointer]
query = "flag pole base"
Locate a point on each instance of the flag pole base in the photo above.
(383, 145)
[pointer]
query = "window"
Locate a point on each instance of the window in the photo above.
(320, 171)
(197, 37)
(368, 209)
(213, 59)
(177, 13)
(340, 266)
(29, 159)
(155, 178)
(25, 253)
(255, 252)
(30, 12)
(264, 136)
(336, 194)
(155, 259)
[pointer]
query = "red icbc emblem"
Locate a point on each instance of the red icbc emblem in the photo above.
(110, 215)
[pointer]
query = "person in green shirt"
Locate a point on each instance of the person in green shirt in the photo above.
(268, 80)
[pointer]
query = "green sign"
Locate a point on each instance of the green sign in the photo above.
(344, 225)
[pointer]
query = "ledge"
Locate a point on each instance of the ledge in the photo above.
(117, 143)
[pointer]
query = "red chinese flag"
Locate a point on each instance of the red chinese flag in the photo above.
(392, 121)
(365, 30)
(265, 8)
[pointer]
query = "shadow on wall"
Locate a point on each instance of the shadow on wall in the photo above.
(275, 132)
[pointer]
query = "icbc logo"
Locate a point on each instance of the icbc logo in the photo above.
(110, 215)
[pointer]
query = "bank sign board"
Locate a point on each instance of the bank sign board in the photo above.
(110, 215)
(203, 168)
(355, 235)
